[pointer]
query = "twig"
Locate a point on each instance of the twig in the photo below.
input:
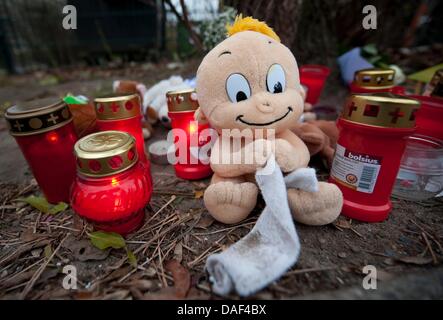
(38, 273)
(126, 276)
(168, 193)
(37, 222)
(356, 232)
(8, 280)
(162, 271)
(204, 254)
(301, 271)
(430, 235)
(173, 197)
(225, 229)
(434, 258)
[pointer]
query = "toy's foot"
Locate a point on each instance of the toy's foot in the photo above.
(230, 202)
(316, 208)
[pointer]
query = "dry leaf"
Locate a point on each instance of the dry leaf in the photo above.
(418, 260)
(167, 293)
(178, 252)
(150, 272)
(84, 251)
(140, 284)
(48, 251)
(205, 221)
(181, 276)
(116, 295)
(84, 295)
(342, 223)
(198, 194)
(36, 253)
(84, 118)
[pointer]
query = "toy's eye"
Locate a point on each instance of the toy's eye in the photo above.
(275, 80)
(237, 87)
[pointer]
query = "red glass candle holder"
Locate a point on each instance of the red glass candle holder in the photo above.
(111, 189)
(186, 131)
(374, 81)
(430, 116)
(45, 134)
(373, 130)
(121, 112)
(313, 77)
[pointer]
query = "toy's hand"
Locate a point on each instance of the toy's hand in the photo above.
(287, 156)
(244, 161)
(256, 153)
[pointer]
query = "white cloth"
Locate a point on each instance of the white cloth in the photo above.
(272, 246)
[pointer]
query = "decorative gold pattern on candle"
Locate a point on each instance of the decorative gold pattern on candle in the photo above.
(105, 153)
(37, 116)
(375, 78)
(381, 110)
(182, 100)
(117, 107)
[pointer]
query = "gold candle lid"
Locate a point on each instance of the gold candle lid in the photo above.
(117, 106)
(182, 100)
(381, 110)
(37, 116)
(105, 153)
(375, 78)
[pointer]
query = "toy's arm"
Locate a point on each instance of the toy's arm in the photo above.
(227, 163)
(291, 152)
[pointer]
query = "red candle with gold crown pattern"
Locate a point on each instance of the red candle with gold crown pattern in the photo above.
(122, 112)
(187, 135)
(375, 80)
(373, 130)
(111, 189)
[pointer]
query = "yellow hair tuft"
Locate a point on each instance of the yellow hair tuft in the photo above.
(250, 24)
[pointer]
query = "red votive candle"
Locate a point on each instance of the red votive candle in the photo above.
(121, 112)
(373, 130)
(313, 77)
(45, 134)
(111, 189)
(187, 139)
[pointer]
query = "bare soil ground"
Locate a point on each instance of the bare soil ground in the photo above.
(178, 234)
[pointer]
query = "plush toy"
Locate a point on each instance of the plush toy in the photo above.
(320, 136)
(251, 81)
(155, 98)
(307, 114)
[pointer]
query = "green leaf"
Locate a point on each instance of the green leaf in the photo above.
(104, 240)
(131, 258)
(48, 251)
(425, 75)
(41, 204)
(374, 59)
(59, 207)
(370, 49)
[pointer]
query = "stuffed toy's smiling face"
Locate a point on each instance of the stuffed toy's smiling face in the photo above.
(250, 80)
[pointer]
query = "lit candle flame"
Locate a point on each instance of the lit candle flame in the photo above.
(114, 182)
(193, 127)
(52, 137)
